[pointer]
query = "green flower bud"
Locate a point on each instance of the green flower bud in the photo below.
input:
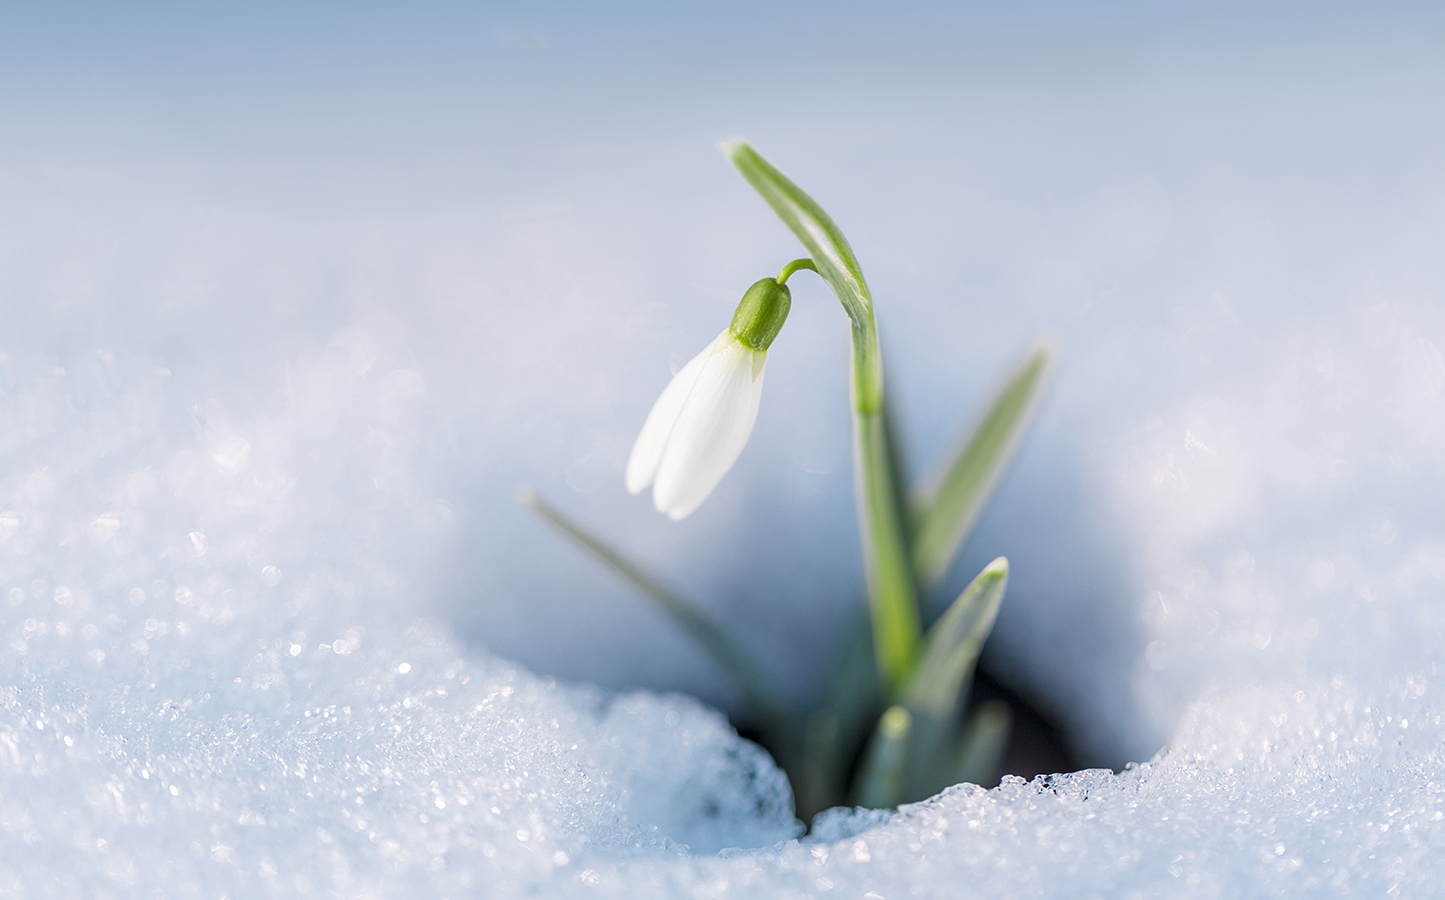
(761, 313)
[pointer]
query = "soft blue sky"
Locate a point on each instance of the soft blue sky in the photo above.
(358, 82)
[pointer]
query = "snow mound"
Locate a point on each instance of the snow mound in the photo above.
(362, 766)
(182, 715)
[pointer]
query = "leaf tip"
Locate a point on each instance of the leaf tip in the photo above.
(732, 148)
(525, 496)
(1044, 351)
(896, 721)
(995, 574)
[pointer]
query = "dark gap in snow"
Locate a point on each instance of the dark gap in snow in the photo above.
(1037, 744)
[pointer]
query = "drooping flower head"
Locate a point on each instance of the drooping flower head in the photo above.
(701, 422)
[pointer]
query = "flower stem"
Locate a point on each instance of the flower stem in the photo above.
(787, 271)
(896, 626)
(894, 605)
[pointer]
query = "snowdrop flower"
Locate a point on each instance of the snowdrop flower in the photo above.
(699, 425)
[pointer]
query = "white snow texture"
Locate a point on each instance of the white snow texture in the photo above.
(269, 377)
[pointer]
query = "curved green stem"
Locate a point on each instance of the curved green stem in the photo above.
(894, 605)
(787, 271)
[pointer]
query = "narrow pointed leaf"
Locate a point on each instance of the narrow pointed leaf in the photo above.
(950, 652)
(982, 745)
(880, 782)
(892, 598)
(818, 779)
(953, 643)
(944, 512)
(825, 243)
(697, 626)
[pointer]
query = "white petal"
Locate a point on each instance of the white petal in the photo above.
(647, 452)
(712, 427)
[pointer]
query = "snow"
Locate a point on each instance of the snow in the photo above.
(271, 624)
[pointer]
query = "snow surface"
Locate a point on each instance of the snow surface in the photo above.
(261, 577)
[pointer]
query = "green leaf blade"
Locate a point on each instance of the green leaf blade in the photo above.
(954, 642)
(881, 779)
(983, 743)
(831, 253)
(945, 511)
(950, 652)
(700, 628)
(814, 228)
